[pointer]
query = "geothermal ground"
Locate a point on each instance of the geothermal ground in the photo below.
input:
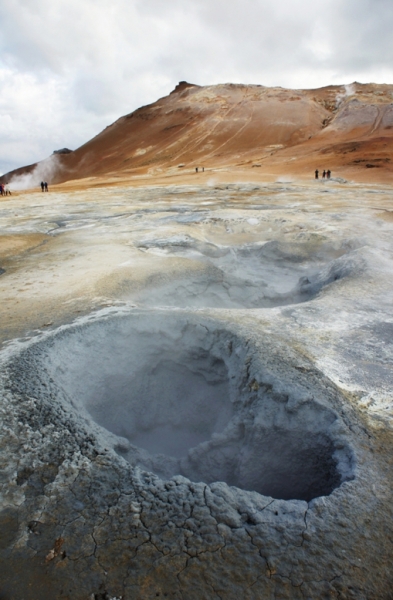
(196, 392)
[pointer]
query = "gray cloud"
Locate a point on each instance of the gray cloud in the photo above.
(69, 68)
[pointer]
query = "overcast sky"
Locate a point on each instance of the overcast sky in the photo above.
(68, 68)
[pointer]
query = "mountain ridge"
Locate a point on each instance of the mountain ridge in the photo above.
(346, 128)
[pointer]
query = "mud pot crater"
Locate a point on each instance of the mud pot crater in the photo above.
(175, 396)
(255, 275)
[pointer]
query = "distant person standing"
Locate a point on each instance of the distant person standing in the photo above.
(316, 173)
(196, 169)
(46, 186)
(328, 173)
(1, 189)
(324, 174)
(42, 186)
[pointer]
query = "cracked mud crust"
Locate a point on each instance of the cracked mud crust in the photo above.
(88, 523)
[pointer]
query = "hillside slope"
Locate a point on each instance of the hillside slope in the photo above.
(347, 129)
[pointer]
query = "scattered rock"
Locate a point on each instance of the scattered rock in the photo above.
(62, 151)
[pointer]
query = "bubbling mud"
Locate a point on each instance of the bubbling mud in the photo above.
(174, 396)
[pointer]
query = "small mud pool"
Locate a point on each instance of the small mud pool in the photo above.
(258, 275)
(176, 396)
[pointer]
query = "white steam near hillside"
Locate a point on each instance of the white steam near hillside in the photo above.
(44, 171)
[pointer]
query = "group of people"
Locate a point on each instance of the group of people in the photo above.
(44, 186)
(326, 174)
(4, 190)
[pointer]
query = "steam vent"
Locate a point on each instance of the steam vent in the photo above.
(196, 367)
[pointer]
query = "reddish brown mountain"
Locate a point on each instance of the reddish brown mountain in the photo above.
(348, 129)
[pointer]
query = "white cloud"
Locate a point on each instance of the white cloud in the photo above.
(69, 68)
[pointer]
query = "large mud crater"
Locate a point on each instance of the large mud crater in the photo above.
(175, 396)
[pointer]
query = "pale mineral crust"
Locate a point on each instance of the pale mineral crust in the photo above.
(275, 301)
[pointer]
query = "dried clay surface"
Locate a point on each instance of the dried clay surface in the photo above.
(196, 393)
